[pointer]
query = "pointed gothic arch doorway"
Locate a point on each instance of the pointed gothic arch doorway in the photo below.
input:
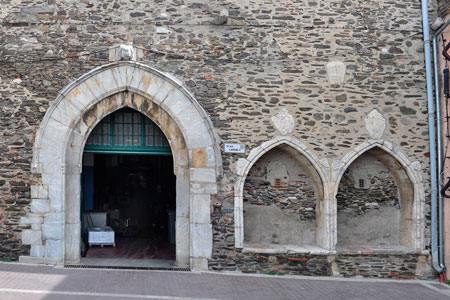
(128, 199)
(58, 152)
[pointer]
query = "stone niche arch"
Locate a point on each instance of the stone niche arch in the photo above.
(315, 170)
(408, 178)
(60, 141)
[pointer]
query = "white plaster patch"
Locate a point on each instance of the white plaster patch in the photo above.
(283, 122)
(375, 124)
(336, 72)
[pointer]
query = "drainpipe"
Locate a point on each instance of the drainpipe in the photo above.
(439, 142)
(431, 128)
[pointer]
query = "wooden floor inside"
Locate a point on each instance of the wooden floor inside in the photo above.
(134, 248)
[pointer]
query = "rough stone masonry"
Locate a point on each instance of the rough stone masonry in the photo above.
(349, 74)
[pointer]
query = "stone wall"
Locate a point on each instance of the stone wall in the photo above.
(444, 8)
(292, 264)
(20, 114)
(406, 266)
(243, 69)
(380, 266)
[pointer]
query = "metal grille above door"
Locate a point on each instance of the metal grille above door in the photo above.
(127, 131)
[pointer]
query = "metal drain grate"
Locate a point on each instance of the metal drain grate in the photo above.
(127, 268)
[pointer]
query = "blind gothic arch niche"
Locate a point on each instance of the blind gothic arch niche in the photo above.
(60, 141)
(282, 196)
(407, 174)
(408, 177)
(369, 192)
(311, 165)
(409, 200)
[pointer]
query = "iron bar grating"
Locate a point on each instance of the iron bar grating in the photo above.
(128, 268)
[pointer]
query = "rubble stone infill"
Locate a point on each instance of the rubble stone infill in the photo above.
(293, 264)
(369, 264)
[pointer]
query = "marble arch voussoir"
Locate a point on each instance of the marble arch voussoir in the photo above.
(78, 108)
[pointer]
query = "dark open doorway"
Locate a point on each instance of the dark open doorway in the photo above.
(128, 190)
(135, 195)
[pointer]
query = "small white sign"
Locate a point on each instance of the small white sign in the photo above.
(234, 148)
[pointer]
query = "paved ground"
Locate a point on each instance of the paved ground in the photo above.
(24, 282)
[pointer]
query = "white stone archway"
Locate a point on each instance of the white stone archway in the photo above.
(407, 174)
(59, 144)
(325, 214)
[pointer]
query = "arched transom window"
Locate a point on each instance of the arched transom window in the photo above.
(129, 132)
